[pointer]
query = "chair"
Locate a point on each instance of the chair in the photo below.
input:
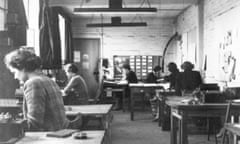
(212, 95)
(222, 134)
(214, 121)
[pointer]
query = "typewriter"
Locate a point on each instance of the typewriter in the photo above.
(11, 128)
(11, 123)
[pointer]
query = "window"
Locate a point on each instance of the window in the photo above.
(3, 14)
(32, 13)
(62, 37)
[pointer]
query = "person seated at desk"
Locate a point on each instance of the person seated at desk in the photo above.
(43, 108)
(172, 78)
(129, 77)
(188, 80)
(152, 78)
(128, 74)
(76, 89)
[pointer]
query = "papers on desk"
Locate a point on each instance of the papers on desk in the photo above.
(164, 85)
(115, 82)
(123, 82)
(237, 125)
(109, 82)
(186, 101)
(236, 101)
(62, 133)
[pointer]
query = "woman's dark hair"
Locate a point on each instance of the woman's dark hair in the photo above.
(126, 66)
(187, 66)
(157, 68)
(71, 68)
(23, 59)
(172, 67)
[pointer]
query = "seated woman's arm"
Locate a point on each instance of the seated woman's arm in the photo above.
(34, 105)
(70, 85)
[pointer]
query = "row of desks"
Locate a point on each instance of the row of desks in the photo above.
(102, 111)
(136, 90)
(180, 113)
(93, 137)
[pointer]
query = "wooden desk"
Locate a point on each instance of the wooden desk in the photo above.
(234, 129)
(115, 87)
(180, 112)
(98, 109)
(95, 137)
(163, 112)
(101, 110)
(140, 88)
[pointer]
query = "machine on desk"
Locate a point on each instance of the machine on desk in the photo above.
(11, 128)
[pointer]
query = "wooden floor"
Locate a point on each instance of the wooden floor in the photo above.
(144, 131)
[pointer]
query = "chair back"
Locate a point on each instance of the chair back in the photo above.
(228, 111)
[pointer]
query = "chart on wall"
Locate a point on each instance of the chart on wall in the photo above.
(227, 31)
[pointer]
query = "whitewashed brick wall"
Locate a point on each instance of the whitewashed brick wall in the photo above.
(218, 15)
(148, 40)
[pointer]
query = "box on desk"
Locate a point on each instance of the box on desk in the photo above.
(11, 130)
(213, 97)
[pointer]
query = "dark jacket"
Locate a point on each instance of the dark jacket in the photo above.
(189, 80)
(131, 77)
(172, 78)
(151, 78)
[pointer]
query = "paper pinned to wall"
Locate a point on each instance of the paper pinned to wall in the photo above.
(77, 56)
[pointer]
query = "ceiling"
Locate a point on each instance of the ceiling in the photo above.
(166, 8)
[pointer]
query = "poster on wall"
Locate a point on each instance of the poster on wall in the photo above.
(227, 42)
(77, 56)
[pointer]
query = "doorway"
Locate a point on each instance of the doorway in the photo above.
(86, 56)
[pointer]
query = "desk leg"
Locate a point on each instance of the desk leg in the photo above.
(159, 113)
(107, 120)
(173, 133)
(183, 129)
(132, 106)
(123, 100)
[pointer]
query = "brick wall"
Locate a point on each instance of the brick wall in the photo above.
(219, 16)
(148, 40)
(186, 25)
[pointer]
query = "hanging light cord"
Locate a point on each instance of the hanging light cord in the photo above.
(137, 16)
(143, 2)
(81, 3)
(102, 30)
